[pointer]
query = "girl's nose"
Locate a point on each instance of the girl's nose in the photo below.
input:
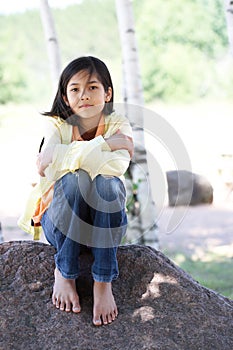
(85, 95)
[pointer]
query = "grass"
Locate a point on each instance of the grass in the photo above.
(215, 271)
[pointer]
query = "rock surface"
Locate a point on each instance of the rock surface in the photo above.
(186, 188)
(161, 307)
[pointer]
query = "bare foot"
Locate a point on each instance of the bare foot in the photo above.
(105, 309)
(65, 296)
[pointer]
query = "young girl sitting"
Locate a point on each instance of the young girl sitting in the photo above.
(80, 200)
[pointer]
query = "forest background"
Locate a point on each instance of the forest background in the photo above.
(187, 75)
(183, 48)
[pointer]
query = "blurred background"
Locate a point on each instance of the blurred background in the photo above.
(187, 76)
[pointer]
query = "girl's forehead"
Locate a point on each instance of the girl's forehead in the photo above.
(84, 76)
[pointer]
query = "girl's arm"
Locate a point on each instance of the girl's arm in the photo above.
(113, 158)
(43, 159)
(52, 137)
(120, 141)
(94, 156)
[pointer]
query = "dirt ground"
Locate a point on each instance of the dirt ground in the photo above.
(204, 228)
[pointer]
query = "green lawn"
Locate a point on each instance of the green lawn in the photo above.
(214, 272)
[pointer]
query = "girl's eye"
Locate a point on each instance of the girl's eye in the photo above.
(93, 87)
(74, 90)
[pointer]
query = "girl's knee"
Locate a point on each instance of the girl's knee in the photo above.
(74, 183)
(109, 187)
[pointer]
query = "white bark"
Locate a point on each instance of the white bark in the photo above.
(143, 226)
(229, 20)
(1, 236)
(51, 40)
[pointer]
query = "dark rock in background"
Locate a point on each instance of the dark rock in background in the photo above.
(186, 188)
(160, 306)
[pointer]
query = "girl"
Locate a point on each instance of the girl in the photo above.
(80, 200)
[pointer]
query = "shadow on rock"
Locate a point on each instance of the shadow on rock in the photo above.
(161, 307)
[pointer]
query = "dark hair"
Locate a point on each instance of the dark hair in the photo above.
(90, 64)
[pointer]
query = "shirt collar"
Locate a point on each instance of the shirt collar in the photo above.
(100, 130)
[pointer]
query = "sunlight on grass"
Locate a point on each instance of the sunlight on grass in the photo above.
(214, 271)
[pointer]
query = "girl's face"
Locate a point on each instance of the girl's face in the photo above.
(85, 95)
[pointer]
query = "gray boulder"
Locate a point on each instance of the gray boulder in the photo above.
(187, 188)
(160, 306)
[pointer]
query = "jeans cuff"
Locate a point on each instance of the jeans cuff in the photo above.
(67, 276)
(105, 279)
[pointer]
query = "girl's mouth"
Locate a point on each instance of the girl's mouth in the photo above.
(85, 106)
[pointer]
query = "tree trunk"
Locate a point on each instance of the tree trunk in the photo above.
(52, 42)
(1, 236)
(142, 226)
(229, 20)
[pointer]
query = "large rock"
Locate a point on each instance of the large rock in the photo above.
(187, 188)
(161, 307)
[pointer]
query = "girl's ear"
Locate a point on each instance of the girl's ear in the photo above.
(108, 94)
(65, 100)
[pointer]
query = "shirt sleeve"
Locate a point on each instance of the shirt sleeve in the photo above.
(52, 133)
(116, 122)
(111, 163)
(94, 156)
(70, 157)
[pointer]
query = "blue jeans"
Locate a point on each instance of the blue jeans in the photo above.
(86, 213)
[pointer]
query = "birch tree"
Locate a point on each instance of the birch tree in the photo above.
(143, 227)
(229, 20)
(1, 236)
(51, 40)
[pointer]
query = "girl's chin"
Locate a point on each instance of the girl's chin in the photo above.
(86, 115)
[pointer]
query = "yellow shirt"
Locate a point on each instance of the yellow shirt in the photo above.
(94, 156)
(47, 197)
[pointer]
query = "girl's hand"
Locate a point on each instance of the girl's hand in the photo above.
(43, 160)
(120, 141)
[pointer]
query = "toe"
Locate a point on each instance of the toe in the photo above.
(114, 316)
(109, 318)
(116, 312)
(53, 300)
(97, 322)
(62, 305)
(57, 304)
(76, 309)
(68, 307)
(105, 319)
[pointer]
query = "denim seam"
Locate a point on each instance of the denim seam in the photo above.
(73, 277)
(105, 279)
